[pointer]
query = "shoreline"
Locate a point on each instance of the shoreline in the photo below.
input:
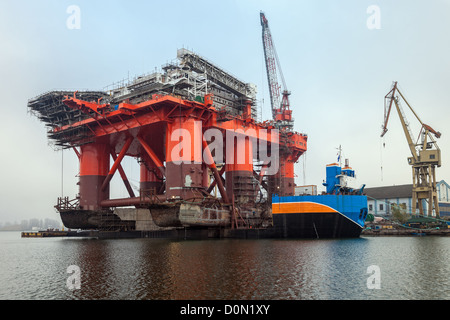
(405, 232)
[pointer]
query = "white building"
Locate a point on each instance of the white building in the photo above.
(381, 199)
(443, 191)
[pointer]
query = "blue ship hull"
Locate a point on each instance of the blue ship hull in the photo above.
(320, 216)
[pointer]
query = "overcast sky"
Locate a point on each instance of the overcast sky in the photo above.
(336, 65)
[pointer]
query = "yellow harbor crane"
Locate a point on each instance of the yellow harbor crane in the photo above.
(426, 154)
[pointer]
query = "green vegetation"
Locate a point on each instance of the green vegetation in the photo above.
(399, 213)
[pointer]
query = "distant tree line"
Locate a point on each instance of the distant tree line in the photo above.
(28, 225)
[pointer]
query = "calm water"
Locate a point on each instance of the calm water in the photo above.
(410, 268)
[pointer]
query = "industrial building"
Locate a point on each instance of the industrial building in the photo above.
(381, 199)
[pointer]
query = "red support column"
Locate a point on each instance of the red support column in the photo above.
(283, 182)
(288, 180)
(239, 172)
(184, 172)
(94, 167)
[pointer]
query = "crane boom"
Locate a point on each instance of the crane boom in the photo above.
(389, 99)
(281, 113)
(425, 129)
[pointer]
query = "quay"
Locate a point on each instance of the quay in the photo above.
(54, 233)
(405, 232)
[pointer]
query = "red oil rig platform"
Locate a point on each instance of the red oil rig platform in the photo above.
(205, 161)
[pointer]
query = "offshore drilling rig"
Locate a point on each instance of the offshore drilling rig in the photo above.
(193, 130)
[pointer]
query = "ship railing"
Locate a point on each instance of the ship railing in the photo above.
(65, 204)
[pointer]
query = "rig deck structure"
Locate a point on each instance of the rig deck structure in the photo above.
(193, 130)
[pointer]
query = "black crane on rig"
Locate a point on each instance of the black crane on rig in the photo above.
(281, 113)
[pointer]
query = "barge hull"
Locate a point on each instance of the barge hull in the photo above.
(286, 226)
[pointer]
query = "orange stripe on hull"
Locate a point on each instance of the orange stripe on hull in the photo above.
(299, 207)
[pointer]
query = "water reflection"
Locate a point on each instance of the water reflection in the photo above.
(411, 268)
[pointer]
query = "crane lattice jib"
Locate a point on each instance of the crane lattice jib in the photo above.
(272, 63)
(390, 98)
